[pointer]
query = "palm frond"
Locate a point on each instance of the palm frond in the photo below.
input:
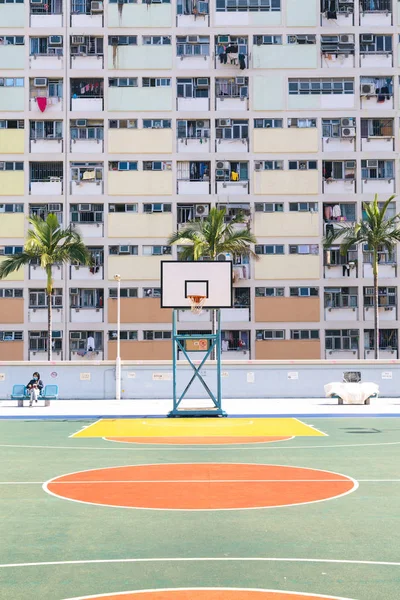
(14, 263)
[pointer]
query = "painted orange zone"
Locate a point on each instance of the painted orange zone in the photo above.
(210, 595)
(194, 441)
(204, 486)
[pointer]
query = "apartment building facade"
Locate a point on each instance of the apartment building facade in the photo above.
(130, 119)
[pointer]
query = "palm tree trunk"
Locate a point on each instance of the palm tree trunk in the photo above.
(376, 300)
(49, 293)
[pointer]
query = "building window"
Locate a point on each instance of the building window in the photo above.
(122, 123)
(157, 123)
(11, 336)
(46, 46)
(267, 40)
(86, 172)
(10, 250)
(156, 82)
(157, 208)
(270, 334)
(369, 6)
(156, 335)
(11, 208)
(83, 129)
(11, 293)
(122, 40)
(192, 7)
(12, 124)
(235, 87)
(198, 87)
(122, 165)
(341, 339)
(269, 207)
(157, 165)
(232, 129)
(387, 339)
(301, 123)
(38, 298)
(346, 297)
(270, 249)
(302, 165)
(386, 296)
(303, 292)
(88, 341)
(123, 250)
(193, 45)
(269, 165)
(303, 249)
(87, 213)
(123, 335)
(86, 298)
(304, 334)
(338, 170)
(123, 82)
(11, 166)
(11, 82)
(124, 293)
(267, 123)
(248, 5)
(156, 40)
(156, 250)
(377, 169)
(376, 44)
(303, 207)
(321, 86)
(151, 292)
(269, 292)
(122, 208)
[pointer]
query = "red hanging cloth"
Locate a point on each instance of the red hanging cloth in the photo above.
(42, 103)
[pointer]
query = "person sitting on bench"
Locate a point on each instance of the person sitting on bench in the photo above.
(34, 387)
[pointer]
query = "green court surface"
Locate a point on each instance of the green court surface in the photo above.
(317, 516)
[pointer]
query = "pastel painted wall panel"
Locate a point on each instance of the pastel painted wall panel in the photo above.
(12, 141)
(301, 13)
(16, 276)
(286, 224)
(11, 310)
(136, 267)
(12, 15)
(140, 15)
(139, 99)
(268, 92)
(140, 183)
(140, 225)
(290, 56)
(139, 310)
(144, 350)
(288, 350)
(141, 57)
(12, 57)
(11, 351)
(11, 226)
(297, 183)
(285, 140)
(297, 102)
(140, 141)
(12, 99)
(291, 310)
(292, 266)
(11, 183)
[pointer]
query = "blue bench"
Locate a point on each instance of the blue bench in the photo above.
(20, 393)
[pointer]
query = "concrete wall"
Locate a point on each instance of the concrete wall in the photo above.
(292, 140)
(12, 15)
(281, 183)
(12, 57)
(143, 57)
(12, 225)
(11, 310)
(280, 267)
(11, 182)
(139, 183)
(286, 224)
(268, 92)
(301, 14)
(135, 267)
(138, 310)
(140, 15)
(12, 99)
(291, 56)
(12, 141)
(272, 379)
(290, 310)
(139, 141)
(139, 225)
(138, 99)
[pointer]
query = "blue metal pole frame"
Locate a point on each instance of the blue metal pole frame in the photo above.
(178, 343)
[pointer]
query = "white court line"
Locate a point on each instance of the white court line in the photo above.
(312, 426)
(202, 481)
(220, 589)
(201, 447)
(202, 559)
(85, 427)
(207, 464)
(286, 439)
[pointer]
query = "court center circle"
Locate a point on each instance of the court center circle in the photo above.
(200, 486)
(209, 594)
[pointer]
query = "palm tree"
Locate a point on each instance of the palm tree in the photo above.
(212, 236)
(377, 231)
(51, 245)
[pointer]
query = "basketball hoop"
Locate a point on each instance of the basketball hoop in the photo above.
(196, 304)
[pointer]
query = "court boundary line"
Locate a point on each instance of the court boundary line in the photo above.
(49, 481)
(86, 427)
(311, 426)
(198, 447)
(202, 559)
(192, 589)
(203, 480)
(292, 437)
(96, 416)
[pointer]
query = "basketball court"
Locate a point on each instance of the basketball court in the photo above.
(195, 508)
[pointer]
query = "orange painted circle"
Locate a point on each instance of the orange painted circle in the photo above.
(200, 486)
(198, 441)
(206, 594)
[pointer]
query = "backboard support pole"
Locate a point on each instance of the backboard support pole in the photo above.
(179, 343)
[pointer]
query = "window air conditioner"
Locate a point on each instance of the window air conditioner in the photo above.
(223, 164)
(202, 82)
(367, 38)
(56, 335)
(193, 38)
(157, 250)
(200, 124)
(77, 39)
(224, 122)
(372, 163)
(84, 207)
(55, 207)
(81, 122)
(223, 256)
(348, 132)
(346, 39)
(368, 89)
(75, 335)
(223, 39)
(2, 166)
(203, 7)
(292, 39)
(40, 81)
(202, 210)
(240, 80)
(157, 207)
(244, 92)
(54, 179)
(258, 166)
(302, 165)
(350, 164)
(37, 1)
(73, 291)
(114, 40)
(124, 249)
(55, 40)
(96, 6)
(220, 174)
(347, 122)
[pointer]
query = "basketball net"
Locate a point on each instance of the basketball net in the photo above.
(197, 303)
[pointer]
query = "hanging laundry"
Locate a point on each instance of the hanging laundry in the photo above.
(242, 61)
(336, 211)
(42, 103)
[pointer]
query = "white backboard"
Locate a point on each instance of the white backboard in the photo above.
(213, 279)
